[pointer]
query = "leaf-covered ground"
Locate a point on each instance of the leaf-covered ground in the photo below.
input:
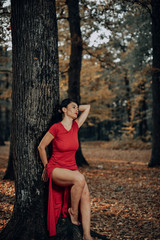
(125, 193)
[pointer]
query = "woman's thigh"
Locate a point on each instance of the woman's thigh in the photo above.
(65, 177)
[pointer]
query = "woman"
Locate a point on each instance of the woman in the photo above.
(62, 169)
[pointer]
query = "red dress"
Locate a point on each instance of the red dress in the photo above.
(64, 147)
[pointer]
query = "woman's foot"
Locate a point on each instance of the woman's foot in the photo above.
(73, 217)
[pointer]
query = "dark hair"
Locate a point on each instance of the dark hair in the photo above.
(58, 110)
(65, 103)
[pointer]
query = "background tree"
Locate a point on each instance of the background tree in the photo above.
(9, 174)
(74, 70)
(35, 96)
(155, 157)
(130, 44)
(76, 50)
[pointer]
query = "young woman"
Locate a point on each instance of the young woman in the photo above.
(62, 170)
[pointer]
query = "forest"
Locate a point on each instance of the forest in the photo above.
(105, 53)
(115, 69)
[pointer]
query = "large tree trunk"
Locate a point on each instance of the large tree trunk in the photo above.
(35, 93)
(155, 157)
(75, 62)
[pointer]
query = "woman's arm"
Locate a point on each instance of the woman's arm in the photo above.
(48, 137)
(85, 111)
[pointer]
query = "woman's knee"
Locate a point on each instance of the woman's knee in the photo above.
(80, 180)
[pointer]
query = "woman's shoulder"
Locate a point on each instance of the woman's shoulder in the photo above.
(55, 125)
(76, 124)
(53, 128)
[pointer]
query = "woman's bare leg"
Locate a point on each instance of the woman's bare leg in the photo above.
(65, 177)
(85, 208)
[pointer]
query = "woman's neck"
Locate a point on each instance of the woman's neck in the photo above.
(67, 121)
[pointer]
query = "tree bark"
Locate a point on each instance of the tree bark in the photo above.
(35, 94)
(155, 157)
(75, 63)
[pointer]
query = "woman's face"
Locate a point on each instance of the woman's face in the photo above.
(71, 110)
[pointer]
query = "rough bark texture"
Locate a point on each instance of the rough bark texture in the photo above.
(155, 157)
(35, 93)
(75, 62)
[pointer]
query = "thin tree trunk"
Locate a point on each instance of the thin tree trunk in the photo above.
(9, 174)
(155, 157)
(35, 93)
(143, 127)
(75, 62)
(126, 80)
(1, 130)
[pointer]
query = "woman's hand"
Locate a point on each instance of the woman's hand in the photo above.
(44, 175)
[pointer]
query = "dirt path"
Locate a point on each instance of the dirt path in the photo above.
(125, 193)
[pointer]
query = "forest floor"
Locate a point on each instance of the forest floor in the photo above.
(125, 193)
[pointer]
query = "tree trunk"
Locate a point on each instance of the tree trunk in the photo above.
(1, 129)
(75, 62)
(76, 50)
(126, 80)
(155, 157)
(9, 174)
(142, 113)
(35, 93)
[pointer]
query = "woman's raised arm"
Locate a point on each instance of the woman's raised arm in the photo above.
(85, 111)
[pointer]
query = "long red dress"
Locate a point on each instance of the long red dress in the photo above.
(64, 147)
